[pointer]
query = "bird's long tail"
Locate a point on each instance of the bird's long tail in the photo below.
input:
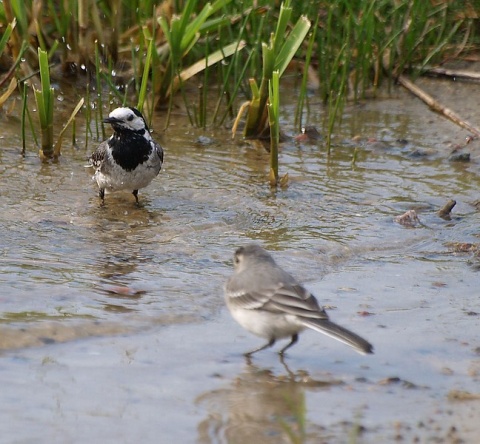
(339, 333)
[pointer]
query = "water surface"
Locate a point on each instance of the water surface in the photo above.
(112, 321)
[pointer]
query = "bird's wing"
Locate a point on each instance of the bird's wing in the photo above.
(157, 147)
(248, 300)
(284, 298)
(295, 300)
(97, 158)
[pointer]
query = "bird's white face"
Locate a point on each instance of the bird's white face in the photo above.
(127, 119)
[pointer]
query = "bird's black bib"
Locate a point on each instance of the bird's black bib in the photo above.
(130, 149)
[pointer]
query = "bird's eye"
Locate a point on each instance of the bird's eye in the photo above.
(130, 117)
(236, 259)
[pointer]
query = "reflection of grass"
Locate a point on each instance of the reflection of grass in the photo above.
(295, 429)
(356, 430)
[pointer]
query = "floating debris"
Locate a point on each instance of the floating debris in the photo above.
(462, 247)
(204, 141)
(408, 219)
(445, 211)
(124, 291)
(461, 395)
(365, 313)
(309, 134)
(396, 380)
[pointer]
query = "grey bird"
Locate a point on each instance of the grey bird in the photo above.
(270, 303)
(128, 160)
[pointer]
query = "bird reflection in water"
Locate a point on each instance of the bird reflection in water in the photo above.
(261, 407)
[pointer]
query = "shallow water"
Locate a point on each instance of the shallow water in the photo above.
(112, 321)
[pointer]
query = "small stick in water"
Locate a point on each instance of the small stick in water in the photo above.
(445, 211)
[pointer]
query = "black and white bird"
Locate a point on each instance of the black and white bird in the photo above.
(270, 303)
(129, 159)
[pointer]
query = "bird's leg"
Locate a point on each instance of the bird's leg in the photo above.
(263, 347)
(293, 341)
(135, 193)
(291, 375)
(101, 195)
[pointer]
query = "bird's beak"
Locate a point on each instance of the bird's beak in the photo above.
(111, 120)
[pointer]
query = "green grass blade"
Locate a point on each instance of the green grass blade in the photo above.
(303, 88)
(23, 120)
(58, 146)
(273, 118)
(44, 99)
(187, 12)
(291, 44)
(44, 79)
(194, 27)
(282, 23)
(204, 63)
(6, 35)
(146, 70)
(20, 11)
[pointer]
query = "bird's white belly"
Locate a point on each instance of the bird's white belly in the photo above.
(267, 325)
(116, 178)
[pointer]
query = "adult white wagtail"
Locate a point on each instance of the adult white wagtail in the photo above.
(270, 303)
(130, 159)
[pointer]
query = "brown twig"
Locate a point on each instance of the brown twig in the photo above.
(436, 106)
(445, 211)
(456, 73)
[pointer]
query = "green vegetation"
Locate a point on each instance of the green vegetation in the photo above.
(277, 54)
(154, 53)
(45, 103)
(295, 430)
(44, 100)
(273, 121)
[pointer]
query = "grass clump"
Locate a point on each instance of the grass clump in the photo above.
(151, 53)
(360, 43)
(277, 54)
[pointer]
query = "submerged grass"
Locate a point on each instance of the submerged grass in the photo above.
(152, 54)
